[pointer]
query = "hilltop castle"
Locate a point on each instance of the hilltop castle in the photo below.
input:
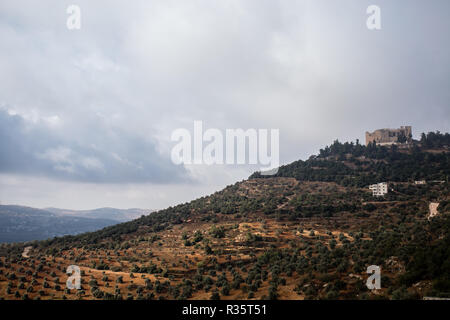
(390, 136)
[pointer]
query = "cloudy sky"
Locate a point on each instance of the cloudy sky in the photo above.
(86, 115)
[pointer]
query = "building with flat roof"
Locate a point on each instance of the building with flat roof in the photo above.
(379, 189)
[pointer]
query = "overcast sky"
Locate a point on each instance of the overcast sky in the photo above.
(86, 115)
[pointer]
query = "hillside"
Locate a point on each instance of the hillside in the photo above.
(309, 232)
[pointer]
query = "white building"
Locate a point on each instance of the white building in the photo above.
(379, 189)
(420, 182)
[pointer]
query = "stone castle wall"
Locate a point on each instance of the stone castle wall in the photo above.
(389, 136)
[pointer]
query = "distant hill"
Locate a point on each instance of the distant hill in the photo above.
(19, 223)
(120, 215)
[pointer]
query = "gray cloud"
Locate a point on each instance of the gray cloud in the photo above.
(105, 157)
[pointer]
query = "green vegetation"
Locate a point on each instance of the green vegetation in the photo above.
(314, 226)
(350, 164)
